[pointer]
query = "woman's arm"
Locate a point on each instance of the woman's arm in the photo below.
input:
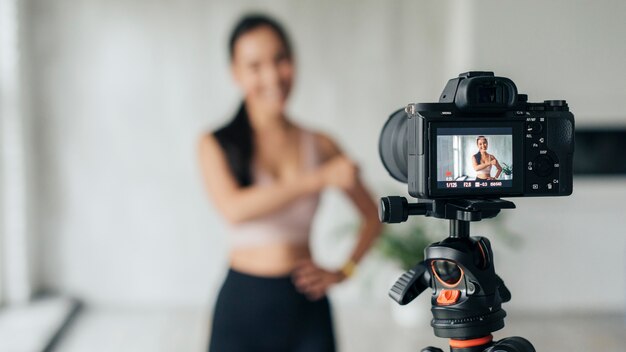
(363, 201)
(478, 166)
(315, 281)
(497, 165)
(370, 224)
(237, 203)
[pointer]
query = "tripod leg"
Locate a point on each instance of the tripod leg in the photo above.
(512, 344)
(431, 349)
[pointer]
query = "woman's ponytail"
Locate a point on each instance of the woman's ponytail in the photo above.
(236, 140)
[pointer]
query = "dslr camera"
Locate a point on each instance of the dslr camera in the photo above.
(481, 140)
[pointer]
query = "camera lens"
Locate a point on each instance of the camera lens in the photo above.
(392, 145)
(447, 272)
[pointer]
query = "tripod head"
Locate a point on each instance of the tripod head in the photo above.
(466, 291)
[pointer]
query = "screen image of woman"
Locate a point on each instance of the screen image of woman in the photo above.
(483, 162)
(264, 174)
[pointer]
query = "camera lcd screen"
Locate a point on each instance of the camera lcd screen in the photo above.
(475, 158)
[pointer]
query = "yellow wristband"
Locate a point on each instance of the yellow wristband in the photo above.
(348, 268)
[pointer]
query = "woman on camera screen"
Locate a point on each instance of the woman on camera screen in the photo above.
(483, 162)
(264, 173)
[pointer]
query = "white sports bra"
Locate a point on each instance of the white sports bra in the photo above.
(485, 171)
(291, 223)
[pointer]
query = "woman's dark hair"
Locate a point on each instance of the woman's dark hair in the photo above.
(477, 155)
(254, 21)
(235, 138)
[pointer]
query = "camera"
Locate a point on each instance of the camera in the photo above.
(481, 140)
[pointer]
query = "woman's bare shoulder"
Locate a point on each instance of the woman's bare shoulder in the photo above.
(208, 144)
(325, 144)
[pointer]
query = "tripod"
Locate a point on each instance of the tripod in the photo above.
(467, 292)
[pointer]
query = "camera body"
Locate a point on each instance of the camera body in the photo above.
(482, 140)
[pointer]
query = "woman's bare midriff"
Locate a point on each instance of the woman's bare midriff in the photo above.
(268, 260)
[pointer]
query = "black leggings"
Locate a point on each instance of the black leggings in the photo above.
(257, 314)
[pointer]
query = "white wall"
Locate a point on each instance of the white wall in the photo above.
(573, 250)
(561, 49)
(123, 89)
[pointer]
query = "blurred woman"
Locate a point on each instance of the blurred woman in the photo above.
(483, 161)
(264, 174)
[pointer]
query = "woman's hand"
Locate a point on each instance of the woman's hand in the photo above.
(314, 281)
(339, 172)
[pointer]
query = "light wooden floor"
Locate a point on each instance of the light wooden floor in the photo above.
(359, 329)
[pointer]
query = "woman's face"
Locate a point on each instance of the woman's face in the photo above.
(482, 144)
(263, 69)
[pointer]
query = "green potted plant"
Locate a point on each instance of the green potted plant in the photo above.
(403, 245)
(507, 170)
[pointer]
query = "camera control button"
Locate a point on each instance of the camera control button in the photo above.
(543, 165)
(533, 127)
(556, 105)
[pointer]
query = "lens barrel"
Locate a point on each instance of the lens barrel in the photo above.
(392, 146)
